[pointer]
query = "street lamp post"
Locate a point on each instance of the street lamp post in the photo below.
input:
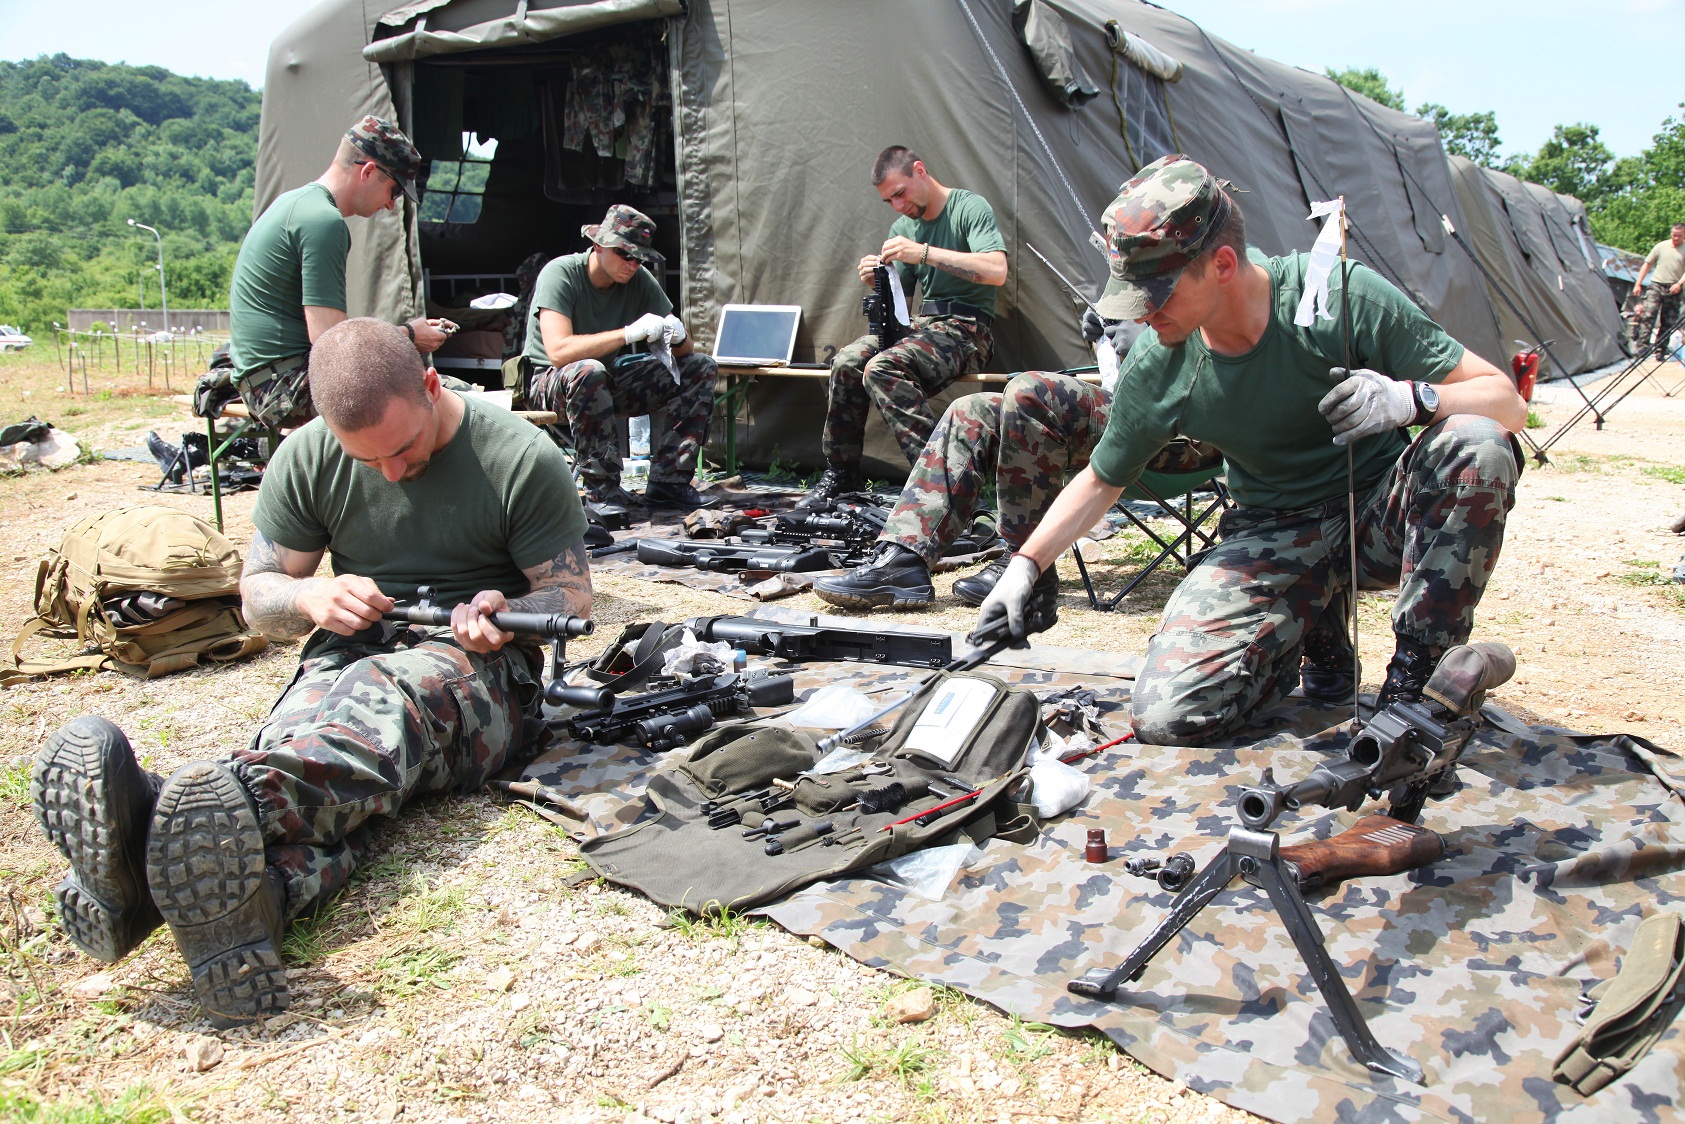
(163, 293)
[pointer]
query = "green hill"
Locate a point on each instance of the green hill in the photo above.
(86, 145)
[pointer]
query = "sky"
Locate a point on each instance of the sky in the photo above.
(1535, 63)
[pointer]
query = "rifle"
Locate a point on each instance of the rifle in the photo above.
(664, 718)
(812, 641)
(852, 522)
(879, 309)
(555, 627)
(1400, 753)
(710, 554)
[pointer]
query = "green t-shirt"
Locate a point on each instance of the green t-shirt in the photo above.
(564, 286)
(1260, 408)
(967, 224)
(1666, 261)
(496, 499)
(293, 255)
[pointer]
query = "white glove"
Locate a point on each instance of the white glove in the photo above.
(1365, 404)
(674, 329)
(1011, 596)
(645, 329)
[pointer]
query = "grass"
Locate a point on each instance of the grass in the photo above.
(425, 908)
(409, 970)
(904, 1061)
(1672, 473)
(1534, 420)
(715, 923)
(139, 1104)
(1027, 1042)
(14, 783)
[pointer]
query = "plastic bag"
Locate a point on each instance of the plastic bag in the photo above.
(930, 871)
(697, 657)
(836, 706)
(1055, 787)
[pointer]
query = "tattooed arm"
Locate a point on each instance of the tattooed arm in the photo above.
(987, 268)
(283, 597)
(560, 585)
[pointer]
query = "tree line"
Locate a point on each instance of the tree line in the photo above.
(85, 146)
(1631, 201)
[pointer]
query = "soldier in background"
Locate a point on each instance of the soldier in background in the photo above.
(289, 280)
(1658, 311)
(588, 308)
(946, 239)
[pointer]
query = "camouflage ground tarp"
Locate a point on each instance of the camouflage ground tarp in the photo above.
(1556, 846)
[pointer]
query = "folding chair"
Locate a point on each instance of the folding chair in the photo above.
(1167, 490)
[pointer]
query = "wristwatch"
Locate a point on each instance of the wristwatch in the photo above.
(1427, 402)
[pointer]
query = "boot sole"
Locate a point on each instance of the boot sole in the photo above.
(206, 865)
(881, 597)
(104, 908)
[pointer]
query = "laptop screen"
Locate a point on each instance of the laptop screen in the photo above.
(757, 335)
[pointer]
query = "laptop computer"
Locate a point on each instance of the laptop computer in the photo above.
(757, 335)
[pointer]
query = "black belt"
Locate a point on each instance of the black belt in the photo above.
(955, 308)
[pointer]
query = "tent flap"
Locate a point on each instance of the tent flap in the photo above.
(525, 25)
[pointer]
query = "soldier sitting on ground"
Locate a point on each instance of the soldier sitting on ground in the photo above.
(226, 852)
(1229, 365)
(588, 308)
(289, 279)
(946, 239)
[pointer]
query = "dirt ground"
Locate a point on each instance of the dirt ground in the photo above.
(470, 974)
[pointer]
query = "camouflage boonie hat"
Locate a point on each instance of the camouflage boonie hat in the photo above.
(387, 146)
(625, 228)
(1160, 221)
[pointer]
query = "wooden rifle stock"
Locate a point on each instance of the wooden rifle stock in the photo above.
(1374, 845)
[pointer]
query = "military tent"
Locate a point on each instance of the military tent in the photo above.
(746, 128)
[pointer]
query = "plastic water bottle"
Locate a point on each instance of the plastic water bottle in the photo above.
(637, 464)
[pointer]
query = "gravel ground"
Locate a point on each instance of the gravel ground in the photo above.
(472, 972)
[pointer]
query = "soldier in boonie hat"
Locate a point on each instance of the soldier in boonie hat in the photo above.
(626, 228)
(1160, 221)
(387, 146)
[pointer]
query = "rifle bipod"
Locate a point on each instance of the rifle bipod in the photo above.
(1256, 856)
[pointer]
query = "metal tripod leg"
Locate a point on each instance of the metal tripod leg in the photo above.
(1102, 983)
(1257, 855)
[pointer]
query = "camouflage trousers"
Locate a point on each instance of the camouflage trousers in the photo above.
(590, 395)
(1657, 313)
(1029, 439)
(899, 382)
(278, 395)
(363, 729)
(1231, 638)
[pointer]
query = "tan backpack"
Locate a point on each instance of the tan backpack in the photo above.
(145, 590)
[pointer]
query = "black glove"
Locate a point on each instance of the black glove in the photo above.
(1093, 327)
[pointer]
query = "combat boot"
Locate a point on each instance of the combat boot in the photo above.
(1329, 674)
(676, 495)
(1408, 672)
(973, 589)
(612, 495)
(213, 887)
(893, 575)
(94, 802)
(836, 480)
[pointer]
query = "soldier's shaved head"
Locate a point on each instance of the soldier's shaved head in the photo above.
(896, 158)
(357, 367)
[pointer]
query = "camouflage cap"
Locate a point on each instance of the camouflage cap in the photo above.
(1160, 221)
(386, 146)
(625, 228)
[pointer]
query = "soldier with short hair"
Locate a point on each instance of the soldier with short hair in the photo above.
(407, 484)
(1658, 309)
(1229, 364)
(289, 279)
(946, 241)
(589, 308)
